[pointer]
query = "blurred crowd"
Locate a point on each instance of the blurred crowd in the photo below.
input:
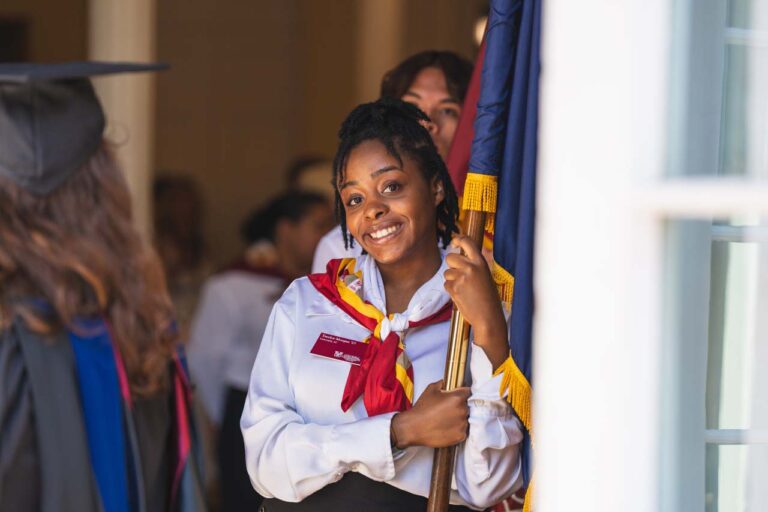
(220, 314)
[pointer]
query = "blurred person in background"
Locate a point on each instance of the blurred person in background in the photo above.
(94, 402)
(178, 229)
(436, 82)
(232, 316)
(311, 173)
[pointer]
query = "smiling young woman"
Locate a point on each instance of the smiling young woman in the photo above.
(434, 81)
(342, 410)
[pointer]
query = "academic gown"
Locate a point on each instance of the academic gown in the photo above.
(45, 462)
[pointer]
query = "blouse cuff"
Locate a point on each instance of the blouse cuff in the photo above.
(484, 384)
(366, 450)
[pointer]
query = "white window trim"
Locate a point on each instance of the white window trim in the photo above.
(740, 234)
(746, 37)
(736, 436)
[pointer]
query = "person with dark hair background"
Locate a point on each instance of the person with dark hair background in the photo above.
(345, 403)
(178, 210)
(436, 82)
(231, 318)
(94, 400)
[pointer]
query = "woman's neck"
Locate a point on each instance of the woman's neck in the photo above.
(402, 279)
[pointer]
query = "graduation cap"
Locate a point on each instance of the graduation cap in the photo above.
(51, 121)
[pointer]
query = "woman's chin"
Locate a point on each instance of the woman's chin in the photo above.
(397, 251)
(384, 256)
(385, 251)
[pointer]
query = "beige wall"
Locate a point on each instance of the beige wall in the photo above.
(58, 29)
(329, 70)
(228, 112)
(259, 83)
(442, 24)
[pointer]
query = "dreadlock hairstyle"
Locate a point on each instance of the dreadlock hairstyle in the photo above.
(399, 127)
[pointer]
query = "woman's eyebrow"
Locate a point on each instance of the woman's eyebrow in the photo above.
(374, 174)
(385, 169)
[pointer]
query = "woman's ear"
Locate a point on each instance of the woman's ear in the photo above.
(438, 190)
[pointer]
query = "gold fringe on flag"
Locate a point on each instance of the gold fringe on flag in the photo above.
(518, 391)
(505, 283)
(480, 194)
(528, 500)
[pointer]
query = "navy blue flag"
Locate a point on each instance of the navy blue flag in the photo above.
(502, 178)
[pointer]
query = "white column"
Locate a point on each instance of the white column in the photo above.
(380, 31)
(598, 277)
(122, 30)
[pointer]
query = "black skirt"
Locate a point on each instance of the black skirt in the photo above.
(354, 492)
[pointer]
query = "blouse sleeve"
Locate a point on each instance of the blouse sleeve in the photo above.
(488, 467)
(287, 457)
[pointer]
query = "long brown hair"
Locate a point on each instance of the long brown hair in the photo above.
(456, 69)
(77, 250)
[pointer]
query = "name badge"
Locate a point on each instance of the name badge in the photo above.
(338, 348)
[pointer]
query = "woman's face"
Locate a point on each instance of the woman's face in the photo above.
(429, 92)
(390, 207)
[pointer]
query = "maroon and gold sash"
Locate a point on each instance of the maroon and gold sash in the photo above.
(385, 375)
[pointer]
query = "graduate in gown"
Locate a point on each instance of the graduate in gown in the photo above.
(94, 400)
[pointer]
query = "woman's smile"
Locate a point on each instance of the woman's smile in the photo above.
(384, 233)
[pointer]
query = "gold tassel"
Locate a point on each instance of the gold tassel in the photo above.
(518, 391)
(505, 283)
(481, 194)
(528, 500)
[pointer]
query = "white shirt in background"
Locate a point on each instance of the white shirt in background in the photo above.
(331, 247)
(226, 332)
(298, 439)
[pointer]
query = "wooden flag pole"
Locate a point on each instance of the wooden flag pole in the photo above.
(455, 364)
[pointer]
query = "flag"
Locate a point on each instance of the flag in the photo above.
(457, 160)
(502, 180)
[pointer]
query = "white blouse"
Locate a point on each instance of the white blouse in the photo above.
(229, 323)
(298, 439)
